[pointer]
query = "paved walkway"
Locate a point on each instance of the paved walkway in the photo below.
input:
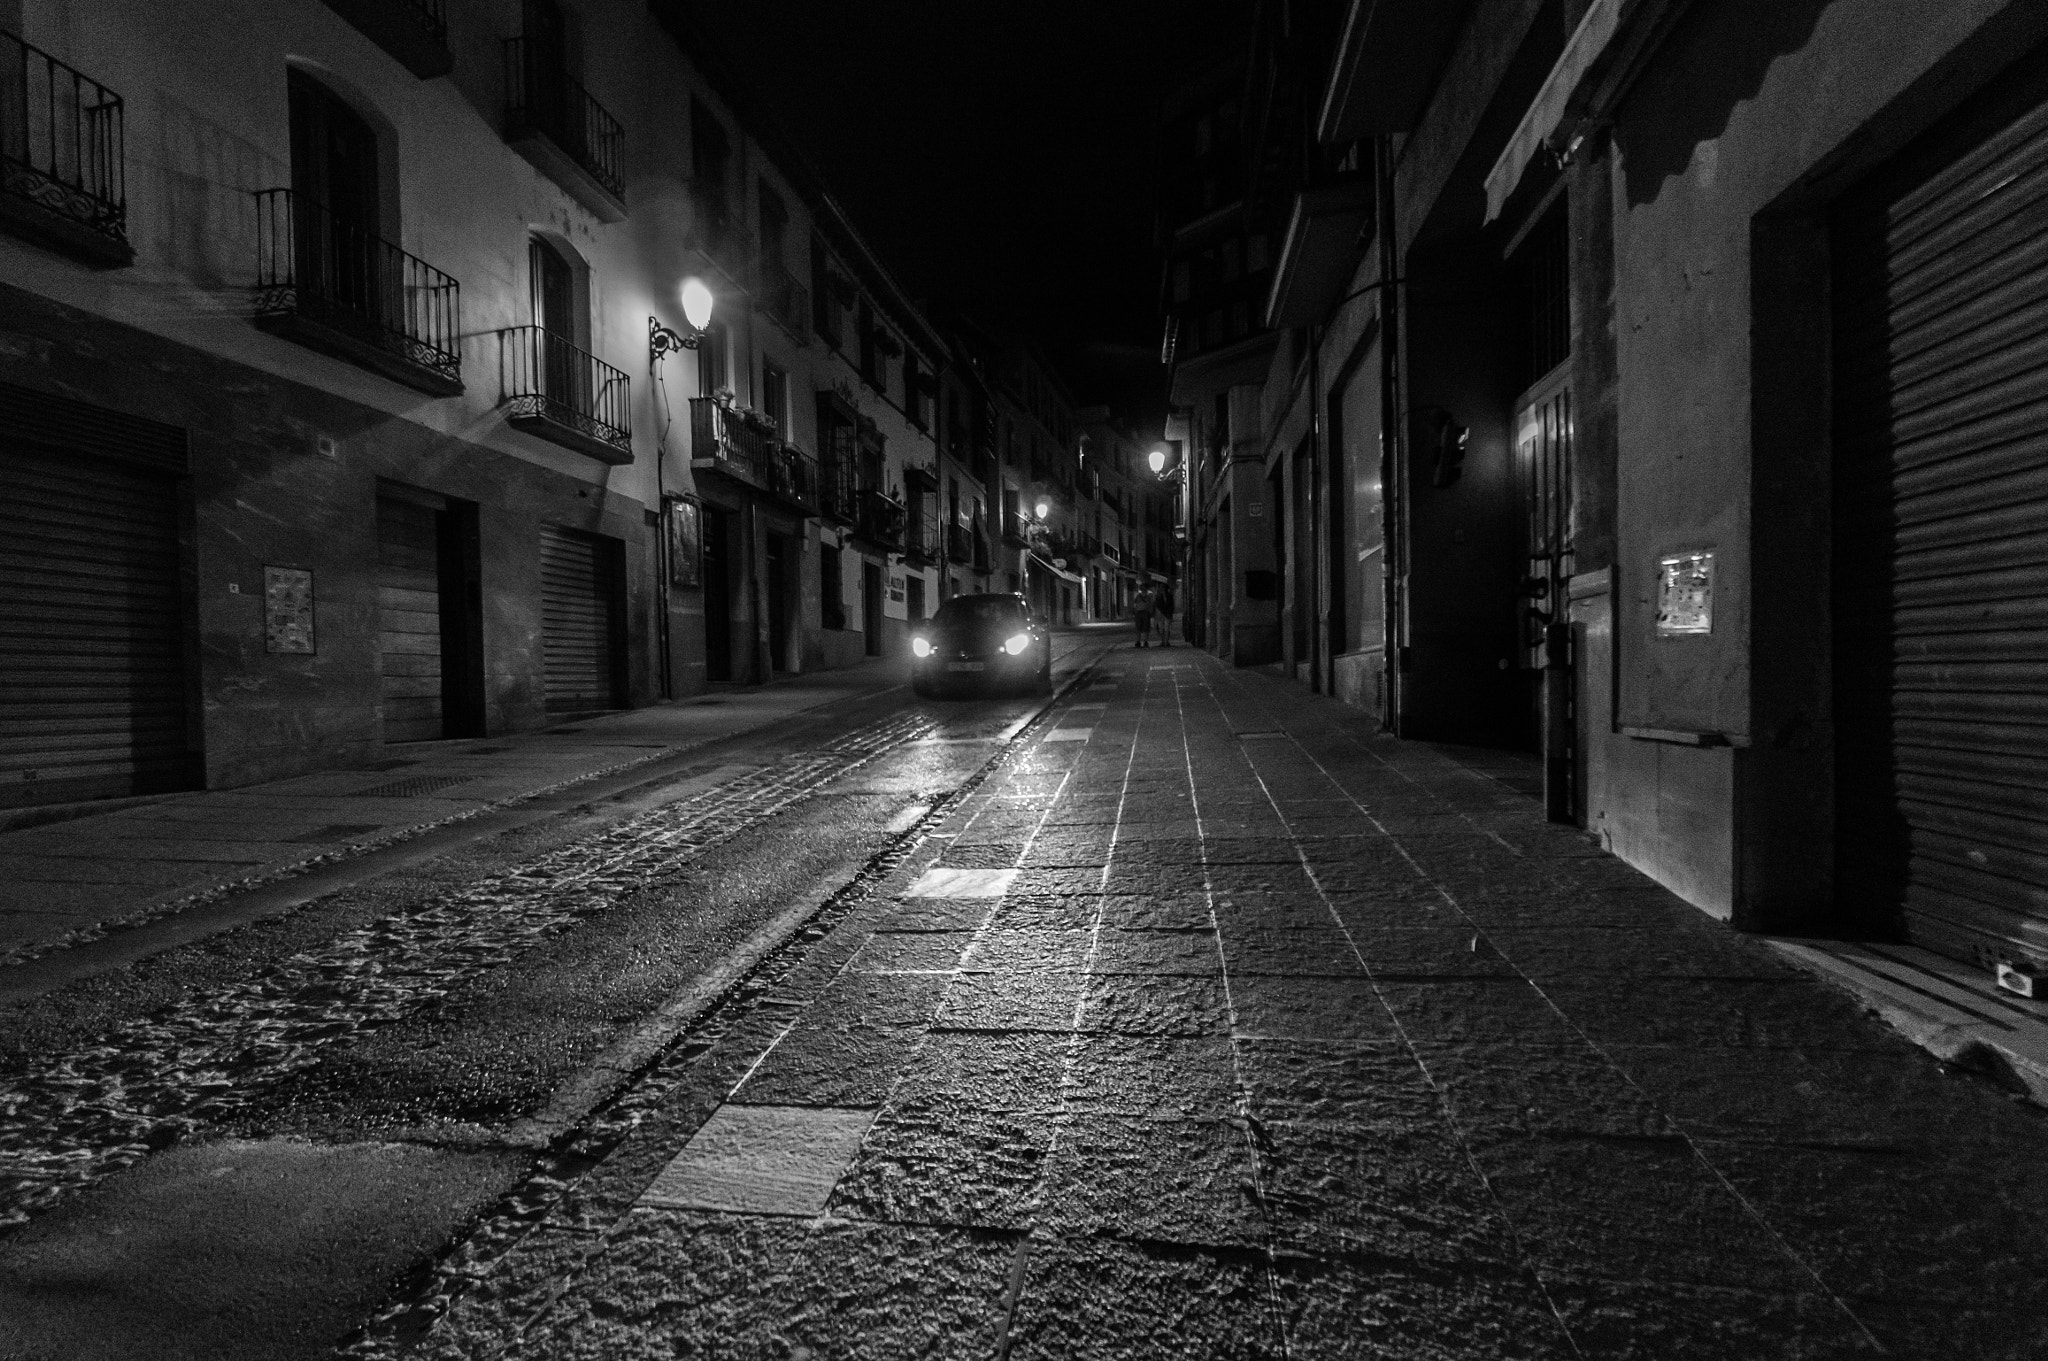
(1214, 1025)
(67, 880)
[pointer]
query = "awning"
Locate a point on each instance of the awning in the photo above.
(1060, 572)
(1319, 253)
(1591, 72)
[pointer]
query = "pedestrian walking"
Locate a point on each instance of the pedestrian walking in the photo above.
(1141, 612)
(1162, 606)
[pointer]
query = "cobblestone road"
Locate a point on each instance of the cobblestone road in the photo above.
(1214, 1025)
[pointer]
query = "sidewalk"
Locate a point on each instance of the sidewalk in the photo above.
(1216, 1025)
(68, 880)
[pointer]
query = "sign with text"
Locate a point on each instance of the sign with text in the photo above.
(287, 610)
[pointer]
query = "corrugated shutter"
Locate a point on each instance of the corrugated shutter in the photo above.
(409, 620)
(578, 591)
(92, 654)
(1941, 531)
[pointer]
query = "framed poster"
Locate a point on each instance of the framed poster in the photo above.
(287, 610)
(685, 542)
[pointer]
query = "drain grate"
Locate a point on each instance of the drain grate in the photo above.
(417, 787)
(399, 764)
(337, 831)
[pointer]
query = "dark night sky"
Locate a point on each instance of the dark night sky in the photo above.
(999, 155)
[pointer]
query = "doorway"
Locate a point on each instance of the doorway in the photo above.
(871, 606)
(429, 607)
(779, 581)
(913, 588)
(717, 594)
(337, 207)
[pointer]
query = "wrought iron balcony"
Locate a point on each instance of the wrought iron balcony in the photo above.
(63, 145)
(552, 121)
(839, 492)
(1016, 528)
(561, 394)
(879, 520)
(722, 440)
(413, 31)
(959, 544)
(793, 477)
(922, 540)
(785, 299)
(325, 282)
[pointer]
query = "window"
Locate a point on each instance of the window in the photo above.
(775, 397)
(831, 593)
(774, 227)
(1183, 281)
(711, 371)
(710, 162)
(825, 305)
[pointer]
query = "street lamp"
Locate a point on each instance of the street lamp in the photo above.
(1044, 508)
(1157, 458)
(697, 301)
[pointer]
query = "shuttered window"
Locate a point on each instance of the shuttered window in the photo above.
(580, 623)
(1941, 533)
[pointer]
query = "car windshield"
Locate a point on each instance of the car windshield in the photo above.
(989, 611)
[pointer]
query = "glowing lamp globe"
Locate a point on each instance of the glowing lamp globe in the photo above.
(1044, 509)
(1157, 458)
(696, 303)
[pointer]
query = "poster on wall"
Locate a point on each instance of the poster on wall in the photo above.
(287, 610)
(685, 542)
(1685, 594)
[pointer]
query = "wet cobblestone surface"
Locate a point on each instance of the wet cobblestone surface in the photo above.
(1282, 1039)
(70, 1119)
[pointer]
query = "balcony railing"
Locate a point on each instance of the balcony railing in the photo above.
(879, 519)
(959, 544)
(413, 31)
(922, 540)
(838, 492)
(325, 282)
(565, 395)
(62, 153)
(725, 441)
(793, 476)
(1016, 528)
(721, 438)
(552, 121)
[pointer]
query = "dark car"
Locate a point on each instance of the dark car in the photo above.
(981, 642)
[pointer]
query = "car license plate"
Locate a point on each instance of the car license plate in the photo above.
(966, 666)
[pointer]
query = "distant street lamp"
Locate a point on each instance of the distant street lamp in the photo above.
(1044, 508)
(697, 302)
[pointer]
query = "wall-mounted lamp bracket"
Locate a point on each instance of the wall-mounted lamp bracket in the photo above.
(661, 340)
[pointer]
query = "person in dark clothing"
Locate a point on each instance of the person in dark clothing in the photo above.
(1162, 608)
(1141, 613)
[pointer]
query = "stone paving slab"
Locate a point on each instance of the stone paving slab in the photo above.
(1516, 1102)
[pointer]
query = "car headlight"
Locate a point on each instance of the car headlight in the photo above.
(1016, 643)
(921, 647)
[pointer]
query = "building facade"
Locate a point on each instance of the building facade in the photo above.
(1661, 384)
(330, 411)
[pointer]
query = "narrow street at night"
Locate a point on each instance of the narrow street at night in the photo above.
(780, 680)
(1187, 1020)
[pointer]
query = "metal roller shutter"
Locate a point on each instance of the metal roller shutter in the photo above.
(1941, 533)
(92, 640)
(579, 620)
